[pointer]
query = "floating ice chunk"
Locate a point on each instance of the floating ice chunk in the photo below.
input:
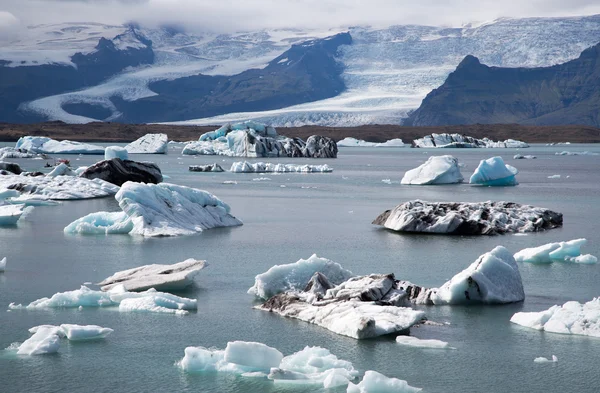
(522, 157)
(494, 172)
(206, 168)
(32, 200)
(77, 332)
(44, 341)
(262, 167)
(569, 251)
(576, 153)
(546, 360)
(10, 214)
(3, 264)
(415, 342)
(148, 144)
(148, 304)
(116, 152)
(436, 170)
(457, 140)
(101, 223)
(79, 297)
(229, 182)
(554, 177)
(40, 144)
(254, 355)
(6, 193)
(59, 187)
(570, 318)
(61, 169)
(160, 277)
(374, 382)
(198, 359)
(11, 152)
(295, 276)
(353, 142)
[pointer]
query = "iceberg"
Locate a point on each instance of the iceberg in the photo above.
(101, 223)
(463, 218)
(146, 301)
(10, 214)
(40, 144)
(3, 264)
(61, 169)
(11, 152)
(570, 318)
(353, 142)
(569, 251)
(436, 170)
(295, 276)
(374, 382)
(494, 172)
(457, 140)
(59, 187)
(546, 360)
(160, 277)
(44, 341)
(415, 342)
(206, 168)
(252, 139)
(76, 332)
(522, 157)
(267, 167)
(115, 152)
(118, 171)
(148, 144)
(575, 153)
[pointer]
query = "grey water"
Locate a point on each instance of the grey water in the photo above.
(292, 216)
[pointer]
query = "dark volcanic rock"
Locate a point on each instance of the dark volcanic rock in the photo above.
(567, 93)
(117, 171)
(461, 218)
(11, 167)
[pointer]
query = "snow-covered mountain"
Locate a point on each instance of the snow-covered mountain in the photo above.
(386, 72)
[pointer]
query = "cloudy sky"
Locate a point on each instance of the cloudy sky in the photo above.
(236, 15)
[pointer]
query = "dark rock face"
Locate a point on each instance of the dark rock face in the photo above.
(567, 93)
(11, 167)
(118, 171)
(459, 218)
(206, 168)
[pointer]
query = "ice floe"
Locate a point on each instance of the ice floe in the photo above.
(41, 144)
(116, 152)
(414, 342)
(206, 168)
(160, 277)
(494, 172)
(146, 301)
(11, 152)
(59, 187)
(554, 177)
(374, 382)
(463, 218)
(569, 251)
(295, 276)
(436, 170)
(118, 171)
(457, 140)
(524, 157)
(149, 144)
(575, 153)
(61, 169)
(10, 214)
(267, 167)
(252, 139)
(570, 318)
(353, 142)
(46, 338)
(554, 359)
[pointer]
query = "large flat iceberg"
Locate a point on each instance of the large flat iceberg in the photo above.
(569, 251)
(457, 140)
(570, 318)
(158, 210)
(436, 170)
(40, 144)
(59, 187)
(267, 167)
(149, 144)
(160, 277)
(463, 218)
(353, 142)
(494, 172)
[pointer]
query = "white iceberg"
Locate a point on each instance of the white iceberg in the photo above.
(10, 214)
(158, 210)
(76, 332)
(524, 157)
(457, 140)
(147, 301)
(148, 144)
(353, 142)
(61, 169)
(569, 251)
(436, 170)
(116, 152)
(11, 152)
(206, 168)
(59, 187)
(494, 172)
(40, 144)
(45, 340)
(295, 276)
(374, 382)
(414, 342)
(267, 167)
(160, 277)
(575, 153)
(3, 264)
(570, 318)
(546, 360)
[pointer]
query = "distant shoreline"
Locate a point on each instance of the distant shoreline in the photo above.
(117, 132)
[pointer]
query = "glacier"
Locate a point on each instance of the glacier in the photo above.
(295, 276)
(464, 218)
(374, 382)
(59, 187)
(568, 251)
(158, 210)
(570, 318)
(414, 342)
(44, 145)
(267, 167)
(457, 140)
(115, 152)
(176, 276)
(494, 172)
(149, 144)
(436, 170)
(353, 142)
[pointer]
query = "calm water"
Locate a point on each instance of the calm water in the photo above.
(326, 214)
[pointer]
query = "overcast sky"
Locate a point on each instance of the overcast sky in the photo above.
(239, 15)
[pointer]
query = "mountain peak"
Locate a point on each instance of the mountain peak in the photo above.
(469, 61)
